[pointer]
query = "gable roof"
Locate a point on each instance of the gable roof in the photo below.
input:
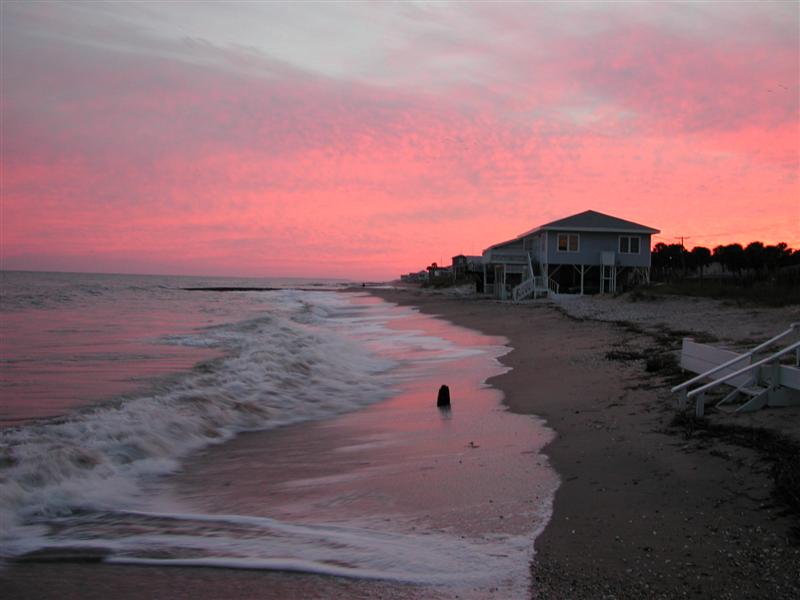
(591, 220)
(507, 242)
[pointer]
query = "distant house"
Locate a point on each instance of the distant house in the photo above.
(414, 277)
(437, 272)
(584, 253)
(468, 269)
(463, 265)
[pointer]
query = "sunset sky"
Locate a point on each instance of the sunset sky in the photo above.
(363, 140)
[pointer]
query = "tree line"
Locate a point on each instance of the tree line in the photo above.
(753, 262)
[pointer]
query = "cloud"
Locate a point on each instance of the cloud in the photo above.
(127, 136)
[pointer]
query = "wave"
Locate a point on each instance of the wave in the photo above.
(301, 361)
(46, 291)
(262, 543)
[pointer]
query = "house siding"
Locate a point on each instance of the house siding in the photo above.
(590, 248)
(506, 265)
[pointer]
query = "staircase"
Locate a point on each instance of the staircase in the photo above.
(755, 397)
(533, 285)
(765, 382)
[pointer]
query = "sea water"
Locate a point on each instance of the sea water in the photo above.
(151, 423)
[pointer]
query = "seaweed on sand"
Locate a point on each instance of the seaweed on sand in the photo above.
(781, 451)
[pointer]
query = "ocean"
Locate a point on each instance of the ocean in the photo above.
(145, 420)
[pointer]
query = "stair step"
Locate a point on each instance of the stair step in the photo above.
(753, 391)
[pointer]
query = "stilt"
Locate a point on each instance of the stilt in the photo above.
(608, 273)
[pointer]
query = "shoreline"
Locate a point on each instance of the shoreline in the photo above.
(645, 508)
(433, 503)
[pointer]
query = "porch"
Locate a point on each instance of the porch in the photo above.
(519, 275)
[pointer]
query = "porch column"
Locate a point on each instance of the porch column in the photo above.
(582, 268)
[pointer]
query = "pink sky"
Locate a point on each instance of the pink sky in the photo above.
(364, 140)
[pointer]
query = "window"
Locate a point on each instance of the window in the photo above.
(567, 242)
(628, 244)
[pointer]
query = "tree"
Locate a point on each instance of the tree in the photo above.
(754, 256)
(777, 256)
(668, 258)
(731, 256)
(701, 256)
(658, 257)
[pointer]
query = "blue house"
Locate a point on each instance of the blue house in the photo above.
(585, 253)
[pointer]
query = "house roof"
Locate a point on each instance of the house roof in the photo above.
(588, 220)
(591, 220)
(467, 256)
(499, 244)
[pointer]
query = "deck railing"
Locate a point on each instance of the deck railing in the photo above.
(794, 327)
(526, 288)
(523, 290)
(773, 358)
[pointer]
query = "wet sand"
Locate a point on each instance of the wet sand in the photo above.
(454, 498)
(643, 511)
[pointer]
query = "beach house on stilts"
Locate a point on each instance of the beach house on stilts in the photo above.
(585, 253)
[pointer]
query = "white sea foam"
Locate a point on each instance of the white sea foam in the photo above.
(247, 542)
(308, 358)
(79, 482)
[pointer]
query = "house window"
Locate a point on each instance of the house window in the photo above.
(628, 244)
(568, 242)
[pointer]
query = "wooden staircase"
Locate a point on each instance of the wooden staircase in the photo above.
(534, 285)
(756, 384)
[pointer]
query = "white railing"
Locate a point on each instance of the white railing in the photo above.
(699, 407)
(771, 358)
(529, 286)
(792, 328)
(523, 290)
(552, 287)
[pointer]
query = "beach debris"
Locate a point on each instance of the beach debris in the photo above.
(473, 445)
(444, 396)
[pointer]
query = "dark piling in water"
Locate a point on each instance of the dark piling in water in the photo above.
(444, 396)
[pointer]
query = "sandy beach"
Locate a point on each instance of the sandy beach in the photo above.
(646, 509)
(397, 499)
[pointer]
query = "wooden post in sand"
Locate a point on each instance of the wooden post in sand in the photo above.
(444, 396)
